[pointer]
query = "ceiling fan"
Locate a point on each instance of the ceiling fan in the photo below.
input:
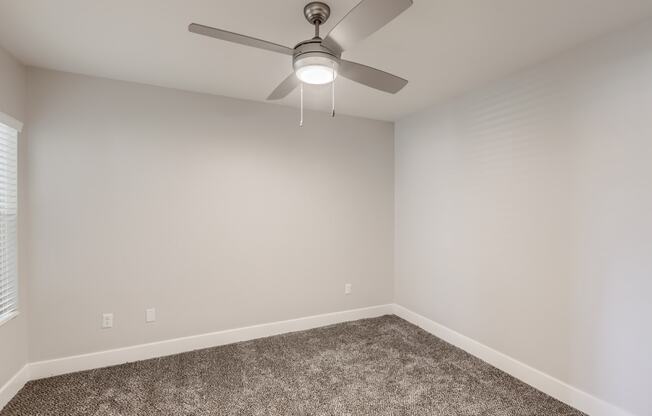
(319, 61)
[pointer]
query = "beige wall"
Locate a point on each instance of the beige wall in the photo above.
(220, 213)
(12, 86)
(523, 217)
(13, 334)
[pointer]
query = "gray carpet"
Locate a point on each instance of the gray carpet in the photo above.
(381, 366)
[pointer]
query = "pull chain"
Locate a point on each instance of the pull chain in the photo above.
(333, 93)
(301, 120)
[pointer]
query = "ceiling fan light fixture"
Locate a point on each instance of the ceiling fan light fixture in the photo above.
(316, 74)
(318, 60)
(316, 69)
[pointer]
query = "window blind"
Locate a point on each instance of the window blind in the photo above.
(8, 221)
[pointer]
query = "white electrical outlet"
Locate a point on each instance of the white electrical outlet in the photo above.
(347, 289)
(150, 315)
(107, 320)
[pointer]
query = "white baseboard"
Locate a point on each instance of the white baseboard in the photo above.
(107, 358)
(11, 387)
(539, 380)
(561, 391)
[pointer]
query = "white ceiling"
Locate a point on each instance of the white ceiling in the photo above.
(444, 47)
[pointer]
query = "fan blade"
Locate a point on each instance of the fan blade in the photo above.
(363, 20)
(371, 77)
(237, 38)
(285, 87)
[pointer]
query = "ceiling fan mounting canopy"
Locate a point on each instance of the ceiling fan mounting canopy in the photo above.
(317, 12)
(319, 60)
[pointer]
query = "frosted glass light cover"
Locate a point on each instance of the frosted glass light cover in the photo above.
(316, 74)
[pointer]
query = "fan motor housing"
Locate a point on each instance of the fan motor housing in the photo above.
(311, 52)
(314, 47)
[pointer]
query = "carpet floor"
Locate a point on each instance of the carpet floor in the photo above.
(380, 366)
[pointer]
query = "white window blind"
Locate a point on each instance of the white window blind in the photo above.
(8, 222)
